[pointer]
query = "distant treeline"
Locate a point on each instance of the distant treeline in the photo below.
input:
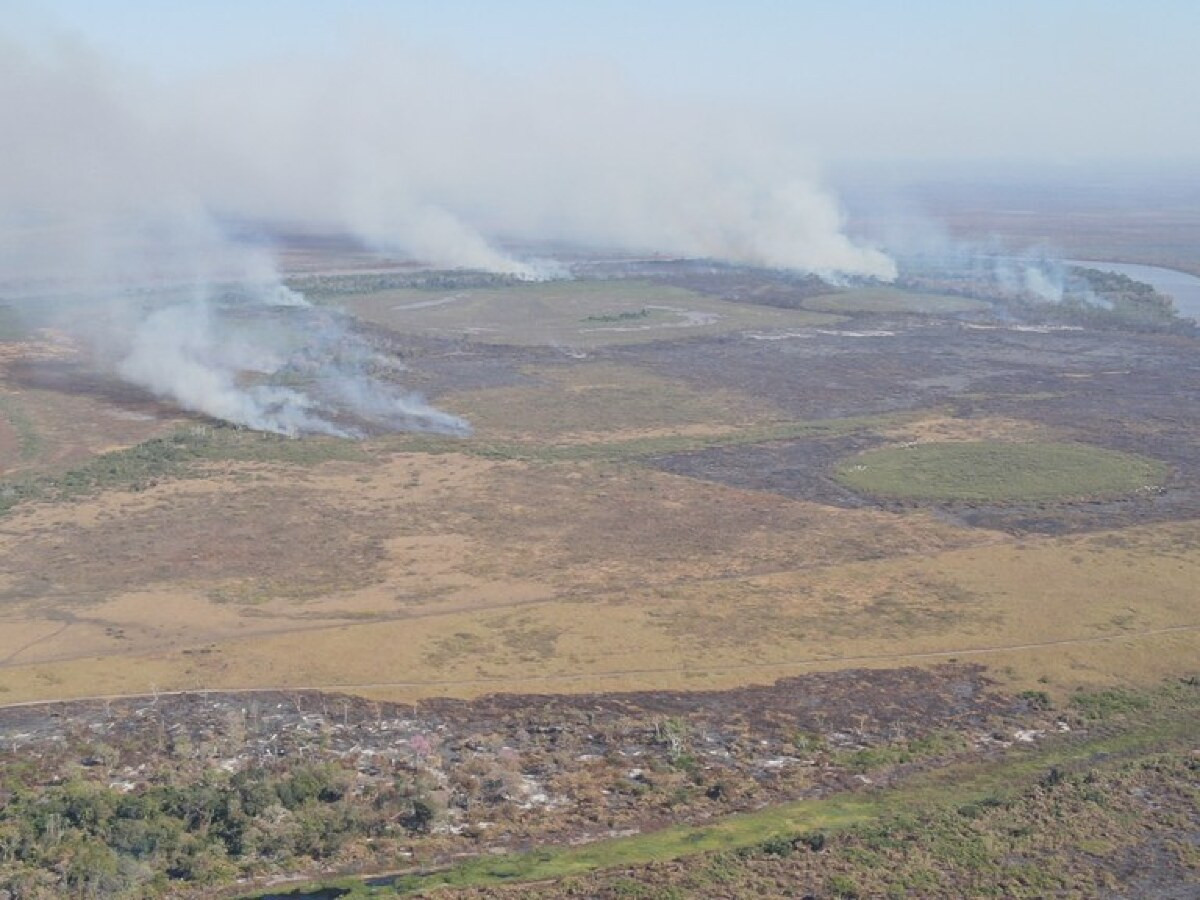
(1092, 298)
(316, 286)
(1110, 299)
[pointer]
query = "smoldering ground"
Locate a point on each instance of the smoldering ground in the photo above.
(246, 354)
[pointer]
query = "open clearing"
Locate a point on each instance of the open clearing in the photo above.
(999, 472)
(569, 313)
(890, 300)
(663, 507)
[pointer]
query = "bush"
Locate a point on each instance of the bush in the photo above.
(421, 817)
(1105, 704)
(814, 841)
(1036, 699)
(777, 846)
(843, 886)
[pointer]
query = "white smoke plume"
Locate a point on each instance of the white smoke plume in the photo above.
(429, 157)
(207, 354)
(114, 188)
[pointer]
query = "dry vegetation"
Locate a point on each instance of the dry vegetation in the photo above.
(590, 535)
(649, 503)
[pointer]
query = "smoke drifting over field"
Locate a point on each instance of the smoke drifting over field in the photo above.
(110, 182)
(207, 354)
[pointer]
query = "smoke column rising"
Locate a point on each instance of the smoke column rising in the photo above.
(109, 181)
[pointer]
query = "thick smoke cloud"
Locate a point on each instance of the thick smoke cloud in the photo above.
(436, 160)
(114, 190)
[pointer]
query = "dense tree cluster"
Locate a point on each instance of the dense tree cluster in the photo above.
(88, 839)
(1100, 298)
(317, 287)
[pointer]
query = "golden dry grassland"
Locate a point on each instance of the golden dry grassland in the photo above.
(398, 573)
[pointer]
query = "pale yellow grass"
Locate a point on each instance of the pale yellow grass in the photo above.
(603, 401)
(17, 634)
(69, 429)
(1054, 613)
(943, 429)
(47, 344)
(251, 549)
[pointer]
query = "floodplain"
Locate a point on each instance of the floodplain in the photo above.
(666, 493)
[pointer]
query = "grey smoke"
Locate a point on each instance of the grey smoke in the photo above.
(426, 156)
(206, 355)
(114, 190)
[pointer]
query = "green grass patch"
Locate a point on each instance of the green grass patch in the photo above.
(569, 313)
(643, 448)
(599, 399)
(892, 300)
(1100, 705)
(901, 752)
(174, 456)
(29, 441)
(989, 471)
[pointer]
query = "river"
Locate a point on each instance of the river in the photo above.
(1183, 287)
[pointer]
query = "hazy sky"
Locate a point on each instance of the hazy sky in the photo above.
(1054, 80)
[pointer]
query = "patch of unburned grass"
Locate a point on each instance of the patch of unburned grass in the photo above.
(1101, 705)
(988, 471)
(29, 440)
(643, 447)
(589, 401)
(901, 752)
(937, 427)
(570, 313)
(892, 300)
(176, 455)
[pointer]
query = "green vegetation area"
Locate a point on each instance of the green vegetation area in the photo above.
(29, 441)
(324, 286)
(174, 456)
(68, 829)
(939, 828)
(643, 448)
(627, 316)
(570, 313)
(892, 300)
(998, 472)
(1100, 299)
(1089, 298)
(1060, 835)
(182, 454)
(92, 840)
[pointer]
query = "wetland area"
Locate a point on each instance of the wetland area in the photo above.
(729, 562)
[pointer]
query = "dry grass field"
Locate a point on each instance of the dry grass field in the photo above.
(569, 545)
(647, 608)
(448, 573)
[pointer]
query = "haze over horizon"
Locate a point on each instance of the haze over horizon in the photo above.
(451, 136)
(1062, 82)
